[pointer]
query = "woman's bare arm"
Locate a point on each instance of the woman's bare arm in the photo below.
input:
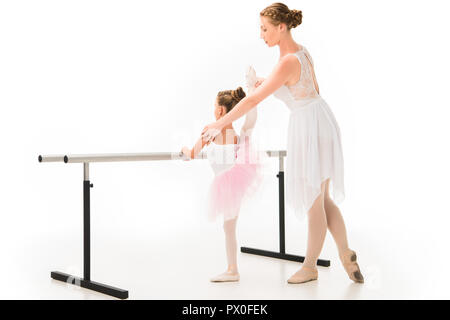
(278, 77)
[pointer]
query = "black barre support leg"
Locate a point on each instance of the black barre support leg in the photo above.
(282, 254)
(280, 177)
(87, 230)
(86, 281)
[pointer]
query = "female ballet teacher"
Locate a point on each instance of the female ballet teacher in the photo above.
(314, 150)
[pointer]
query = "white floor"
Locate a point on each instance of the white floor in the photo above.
(179, 268)
(169, 261)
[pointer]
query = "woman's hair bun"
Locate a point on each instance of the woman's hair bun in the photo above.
(295, 18)
(280, 13)
(238, 94)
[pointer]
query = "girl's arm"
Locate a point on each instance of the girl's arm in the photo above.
(251, 116)
(249, 124)
(192, 153)
(278, 77)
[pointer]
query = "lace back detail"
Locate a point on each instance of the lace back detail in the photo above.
(305, 88)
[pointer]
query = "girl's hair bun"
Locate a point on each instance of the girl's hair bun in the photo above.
(238, 94)
(230, 98)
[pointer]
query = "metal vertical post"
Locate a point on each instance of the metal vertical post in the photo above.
(86, 223)
(281, 205)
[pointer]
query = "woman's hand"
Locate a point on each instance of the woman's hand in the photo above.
(211, 131)
(186, 153)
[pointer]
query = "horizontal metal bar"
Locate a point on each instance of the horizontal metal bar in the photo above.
(113, 157)
(51, 158)
(276, 153)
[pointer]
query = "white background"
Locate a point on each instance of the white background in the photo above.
(141, 76)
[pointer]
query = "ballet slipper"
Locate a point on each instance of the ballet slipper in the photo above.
(348, 260)
(226, 277)
(305, 274)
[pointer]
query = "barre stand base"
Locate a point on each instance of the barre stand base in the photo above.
(86, 281)
(283, 256)
(89, 284)
(282, 253)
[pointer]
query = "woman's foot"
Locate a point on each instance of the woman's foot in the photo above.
(348, 260)
(227, 276)
(305, 274)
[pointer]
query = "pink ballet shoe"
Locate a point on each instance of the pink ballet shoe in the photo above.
(305, 274)
(226, 277)
(351, 266)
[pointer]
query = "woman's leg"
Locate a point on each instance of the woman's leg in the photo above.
(317, 230)
(337, 228)
(335, 222)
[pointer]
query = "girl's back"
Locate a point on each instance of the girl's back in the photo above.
(222, 157)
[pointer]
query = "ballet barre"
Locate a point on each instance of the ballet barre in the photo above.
(85, 281)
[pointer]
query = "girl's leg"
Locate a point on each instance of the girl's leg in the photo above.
(232, 274)
(229, 227)
(317, 230)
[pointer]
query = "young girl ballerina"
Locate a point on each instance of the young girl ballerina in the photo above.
(238, 170)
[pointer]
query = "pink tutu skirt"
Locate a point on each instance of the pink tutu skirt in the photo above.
(233, 186)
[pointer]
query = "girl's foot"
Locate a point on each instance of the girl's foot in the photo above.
(305, 274)
(227, 276)
(348, 260)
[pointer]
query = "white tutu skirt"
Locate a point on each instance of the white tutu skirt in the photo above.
(241, 182)
(314, 154)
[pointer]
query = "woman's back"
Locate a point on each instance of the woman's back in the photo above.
(305, 89)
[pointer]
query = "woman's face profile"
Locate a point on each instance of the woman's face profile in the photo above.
(269, 33)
